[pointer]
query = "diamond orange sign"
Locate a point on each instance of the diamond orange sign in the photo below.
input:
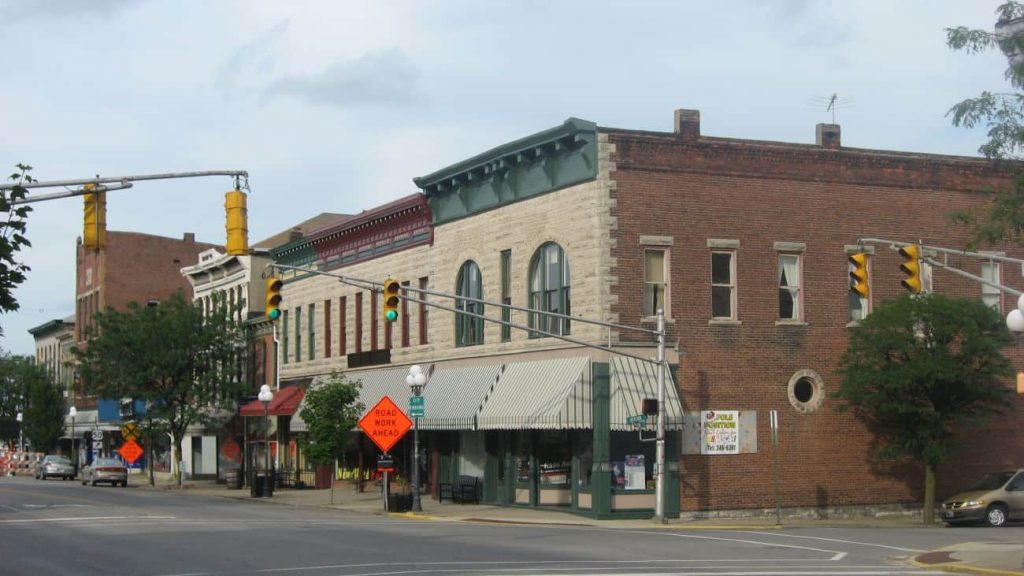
(130, 451)
(385, 424)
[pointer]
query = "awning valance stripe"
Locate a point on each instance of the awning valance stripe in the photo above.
(633, 380)
(453, 396)
(546, 394)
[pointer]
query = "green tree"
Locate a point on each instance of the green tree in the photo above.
(13, 238)
(28, 388)
(1002, 113)
(331, 413)
(184, 363)
(919, 371)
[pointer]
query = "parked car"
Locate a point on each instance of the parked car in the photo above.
(108, 470)
(54, 465)
(996, 498)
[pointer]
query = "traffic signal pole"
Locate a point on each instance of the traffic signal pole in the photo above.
(107, 183)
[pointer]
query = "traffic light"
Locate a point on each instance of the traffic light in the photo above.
(859, 274)
(911, 266)
(272, 309)
(238, 232)
(391, 300)
(94, 230)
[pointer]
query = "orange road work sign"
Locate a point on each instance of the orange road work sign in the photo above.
(385, 424)
(130, 451)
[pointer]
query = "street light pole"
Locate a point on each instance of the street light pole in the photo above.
(416, 380)
(21, 439)
(265, 396)
(74, 453)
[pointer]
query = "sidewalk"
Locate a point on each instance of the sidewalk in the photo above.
(968, 558)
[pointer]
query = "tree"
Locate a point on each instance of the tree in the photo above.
(13, 239)
(184, 363)
(919, 371)
(331, 413)
(1003, 114)
(28, 388)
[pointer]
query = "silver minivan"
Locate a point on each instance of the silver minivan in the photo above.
(995, 499)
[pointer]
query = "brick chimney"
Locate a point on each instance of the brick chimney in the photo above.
(687, 124)
(189, 237)
(828, 136)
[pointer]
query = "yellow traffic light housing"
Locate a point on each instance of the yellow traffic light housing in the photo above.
(391, 300)
(859, 275)
(94, 230)
(911, 266)
(272, 309)
(236, 224)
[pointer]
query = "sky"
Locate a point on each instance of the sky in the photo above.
(335, 106)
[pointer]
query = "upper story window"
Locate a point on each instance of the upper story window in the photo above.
(549, 290)
(991, 295)
(506, 295)
(469, 330)
(284, 333)
(723, 285)
(790, 277)
(655, 281)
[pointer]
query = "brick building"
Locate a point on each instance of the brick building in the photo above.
(742, 243)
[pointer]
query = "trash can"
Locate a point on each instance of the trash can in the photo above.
(399, 502)
(233, 479)
(265, 482)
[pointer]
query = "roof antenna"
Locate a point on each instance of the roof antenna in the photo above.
(830, 103)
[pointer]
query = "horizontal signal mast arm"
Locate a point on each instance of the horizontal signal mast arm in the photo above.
(119, 183)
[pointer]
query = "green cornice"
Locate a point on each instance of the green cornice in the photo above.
(543, 162)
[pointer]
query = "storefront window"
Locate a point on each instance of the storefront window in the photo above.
(554, 458)
(523, 449)
(632, 462)
(586, 452)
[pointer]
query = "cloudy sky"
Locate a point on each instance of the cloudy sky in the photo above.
(334, 106)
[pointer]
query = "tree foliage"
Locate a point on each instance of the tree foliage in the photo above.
(184, 363)
(920, 370)
(1002, 113)
(13, 238)
(331, 414)
(29, 388)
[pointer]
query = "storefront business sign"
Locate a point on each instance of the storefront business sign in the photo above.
(385, 424)
(720, 432)
(635, 474)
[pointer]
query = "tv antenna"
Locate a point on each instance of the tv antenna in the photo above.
(831, 103)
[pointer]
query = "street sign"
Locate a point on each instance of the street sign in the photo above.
(416, 412)
(638, 420)
(130, 451)
(97, 434)
(130, 431)
(385, 424)
(416, 401)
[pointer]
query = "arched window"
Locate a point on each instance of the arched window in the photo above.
(549, 290)
(469, 331)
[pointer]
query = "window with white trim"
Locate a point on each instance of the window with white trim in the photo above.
(723, 284)
(655, 281)
(790, 293)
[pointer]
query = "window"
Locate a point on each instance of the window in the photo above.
(469, 331)
(359, 322)
(655, 282)
(789, 287)
(310, 319)
(549, 290)
(506, 295)
(990, 295)
(284, 331)
(424, 317)
(373, 321)
(723, 285)
(327, 328)
(298, 334)
(806, 391)
(343, 325)
(405, 317)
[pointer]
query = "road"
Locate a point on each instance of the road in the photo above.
(57, 527)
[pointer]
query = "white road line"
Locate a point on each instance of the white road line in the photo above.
(784, 535)
(836, 554)
(84, 519)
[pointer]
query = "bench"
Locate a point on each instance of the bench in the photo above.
(466, 489)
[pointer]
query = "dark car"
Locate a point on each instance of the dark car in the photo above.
(995, 499)
(107, 470)
(54, 465)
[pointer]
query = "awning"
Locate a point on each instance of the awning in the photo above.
(373, 385)
(453, 396)
(285, 403)
(633, 380)
(545, 394)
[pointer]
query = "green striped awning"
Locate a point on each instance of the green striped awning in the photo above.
(633, 380)
(453, 396)
(544, 394)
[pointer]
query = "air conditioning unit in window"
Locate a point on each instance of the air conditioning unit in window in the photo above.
(126, 408)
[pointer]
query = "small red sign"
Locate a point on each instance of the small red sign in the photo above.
(385, 424)
(230, 450)
(130, 451)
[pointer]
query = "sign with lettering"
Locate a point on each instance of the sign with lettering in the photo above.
(720, 432)
(130, 451)
(385, 424)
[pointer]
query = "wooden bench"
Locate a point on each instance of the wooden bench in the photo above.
(466, 489)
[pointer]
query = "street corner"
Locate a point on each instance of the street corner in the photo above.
(999, 558)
